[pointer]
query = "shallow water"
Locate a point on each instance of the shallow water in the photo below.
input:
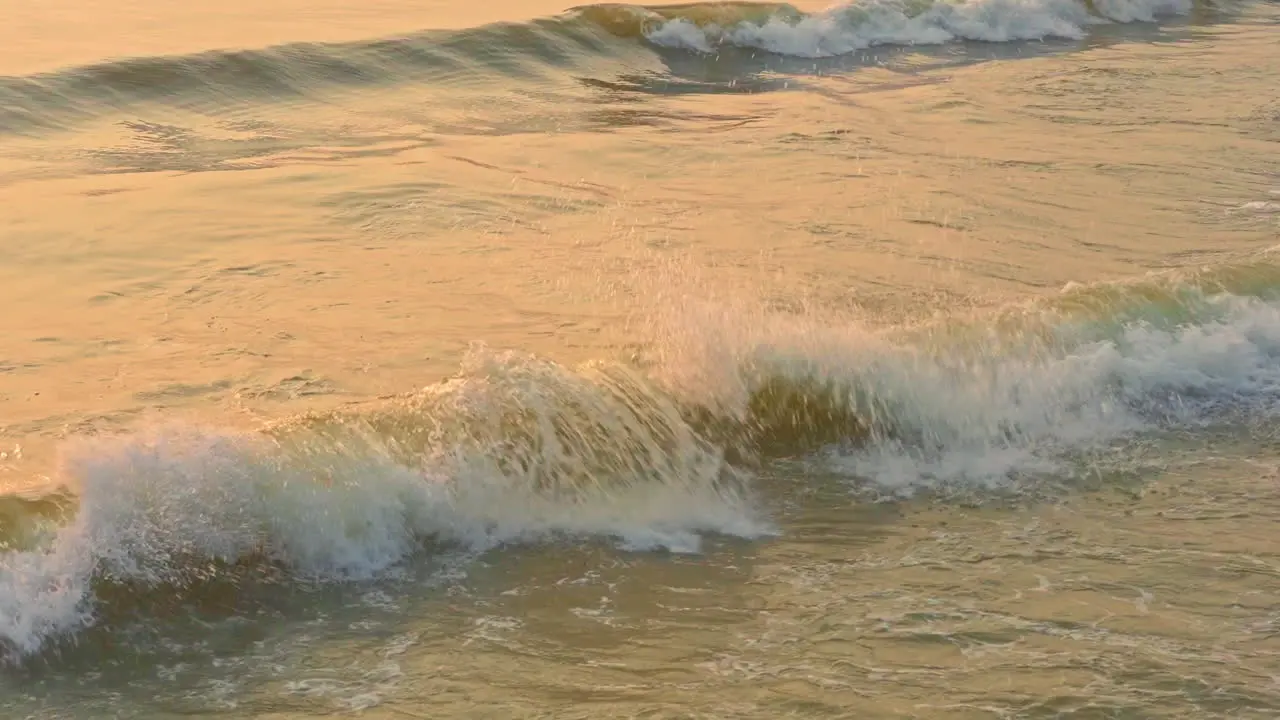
(715, 360)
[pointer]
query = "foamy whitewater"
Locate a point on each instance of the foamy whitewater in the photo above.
(517, 449)
(848, 28)
(583, 37)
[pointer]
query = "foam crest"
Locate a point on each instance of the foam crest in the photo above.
(985, 400)
(522, 449)
(511, 450)
(849, 28)
(589, 38)
(1001, 418)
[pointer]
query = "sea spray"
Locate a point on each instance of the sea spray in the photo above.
(516, 448)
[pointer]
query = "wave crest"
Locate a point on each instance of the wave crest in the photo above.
(852, 27)
(511, 449)
(987, 398)
(581, 38)
(516, 448)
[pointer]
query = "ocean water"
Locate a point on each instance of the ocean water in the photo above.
(883, 359)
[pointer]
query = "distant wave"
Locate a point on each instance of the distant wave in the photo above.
(517, 448)
(863, 24)
(522, 52)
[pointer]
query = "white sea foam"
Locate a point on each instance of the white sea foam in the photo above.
(983, 405)
(518, 449)
(851, 27)
(1029, 415)
(513, 450)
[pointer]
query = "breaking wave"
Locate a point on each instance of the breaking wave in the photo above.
(652, 454)
(581, 41)
(850, 27)
(511, 449)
